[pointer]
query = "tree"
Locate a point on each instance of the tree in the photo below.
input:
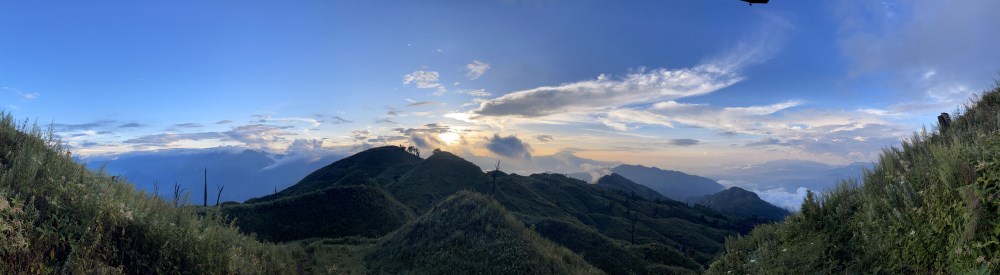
(437, 150)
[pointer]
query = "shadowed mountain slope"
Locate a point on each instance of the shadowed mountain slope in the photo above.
(618, 183)
(743, 203)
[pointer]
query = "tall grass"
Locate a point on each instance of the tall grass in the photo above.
(930, 205)
(57, 216)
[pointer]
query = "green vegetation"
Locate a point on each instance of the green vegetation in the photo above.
(471, 233)
(931, 205)
(58, 217)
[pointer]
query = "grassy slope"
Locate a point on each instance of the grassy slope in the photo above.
(931, 205)
(436, 178)
(338, 211)
(471, 233)
(572, 213)
(56, 216)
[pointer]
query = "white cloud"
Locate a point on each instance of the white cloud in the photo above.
(784, 199)
(604, 93)
(479, 92)
(423, 79)
(476, 69)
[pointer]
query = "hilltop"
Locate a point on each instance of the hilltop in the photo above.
(740, 202)
(928, 206)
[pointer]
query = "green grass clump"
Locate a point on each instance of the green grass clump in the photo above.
(931, 205)
(58, 217)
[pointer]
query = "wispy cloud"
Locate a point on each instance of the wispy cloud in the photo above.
(100, 124)
(339, 120)
(422, 79)
(423, 103)
(604, 93)
(167, 139)
(268, 119)
(425, 80)
(478, 93)
(132, 125)
(683, 142)
(22, 95)
(476, 69)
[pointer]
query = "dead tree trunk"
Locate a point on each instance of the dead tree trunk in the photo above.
(156, 189)
(205, 193)
(217, 197)
(177, 194)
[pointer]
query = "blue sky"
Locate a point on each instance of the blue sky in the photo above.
(687, 85)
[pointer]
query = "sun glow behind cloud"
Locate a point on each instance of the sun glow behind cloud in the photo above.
(449, 138)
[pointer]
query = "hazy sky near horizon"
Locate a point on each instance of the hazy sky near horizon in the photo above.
(687, 85)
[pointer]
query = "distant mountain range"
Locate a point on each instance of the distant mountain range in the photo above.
(244, 173)
(672, 184)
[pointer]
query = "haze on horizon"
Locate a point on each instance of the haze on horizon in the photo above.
(693, 85)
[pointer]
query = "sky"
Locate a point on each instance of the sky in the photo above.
(686, 85)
